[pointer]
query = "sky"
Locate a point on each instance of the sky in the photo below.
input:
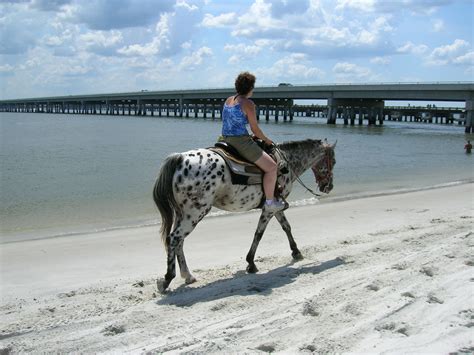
(73, 47)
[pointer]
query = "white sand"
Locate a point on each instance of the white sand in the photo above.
(388, 274)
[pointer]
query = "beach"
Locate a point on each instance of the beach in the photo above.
(391, 273)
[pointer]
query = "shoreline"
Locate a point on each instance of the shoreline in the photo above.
(144, 223)
(378, 272)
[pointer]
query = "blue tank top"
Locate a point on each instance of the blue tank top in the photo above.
(234, 121)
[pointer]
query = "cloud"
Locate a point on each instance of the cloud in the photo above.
(48, 5)
(293, 68)
(438, 25)
(111, 14)
(101, 42)
(309, 28)
(459, 53)
(380, 60)
(19, 28)
(170, 34)
(222, 20)
(351, 72)
(281, 8)
(411, 48)
(384, 6)
(196, 58)
(242, 52)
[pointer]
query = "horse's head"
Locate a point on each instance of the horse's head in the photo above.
(323, 168)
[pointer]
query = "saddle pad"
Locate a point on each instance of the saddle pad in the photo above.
(242, 173)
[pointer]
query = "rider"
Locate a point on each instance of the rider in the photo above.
(239, 111)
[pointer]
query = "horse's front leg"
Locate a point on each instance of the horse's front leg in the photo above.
(295, 253)
(265, 217)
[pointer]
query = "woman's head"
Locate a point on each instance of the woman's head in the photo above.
(244, 83)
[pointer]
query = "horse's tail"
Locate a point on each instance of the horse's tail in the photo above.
(164, 196)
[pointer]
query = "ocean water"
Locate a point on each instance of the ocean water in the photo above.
(68, 174)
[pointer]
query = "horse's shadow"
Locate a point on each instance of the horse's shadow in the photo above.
(243, 284)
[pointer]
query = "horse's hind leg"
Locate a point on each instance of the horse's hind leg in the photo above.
(175, 250)
(265, 217)
(295, 253)
(183, 267)
(172, 242)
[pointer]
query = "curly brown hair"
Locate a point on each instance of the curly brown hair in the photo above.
(244, 83)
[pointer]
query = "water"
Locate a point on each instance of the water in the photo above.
(65, 174)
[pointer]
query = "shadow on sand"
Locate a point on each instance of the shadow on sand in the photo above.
(243, 284)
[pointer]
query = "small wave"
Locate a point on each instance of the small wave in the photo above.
(220, 213)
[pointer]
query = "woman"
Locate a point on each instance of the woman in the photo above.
(239, 111)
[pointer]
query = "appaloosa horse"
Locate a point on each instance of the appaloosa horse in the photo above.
(190, 183)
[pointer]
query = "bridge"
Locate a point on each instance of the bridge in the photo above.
(345, 101)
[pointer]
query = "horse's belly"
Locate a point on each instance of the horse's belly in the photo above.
(239, 198)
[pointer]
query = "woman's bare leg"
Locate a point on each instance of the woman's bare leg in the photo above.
(268, 165)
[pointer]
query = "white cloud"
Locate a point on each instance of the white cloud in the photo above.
(351, 72)
(295, 67)
(221, 20)
(456, 53)
(380, 60)
(101, 42)
(411, 48)
(438, 25)
(465, 59)
(6, 68)
(170, 33)
(426, 7)
(241, 52)
(195, 59)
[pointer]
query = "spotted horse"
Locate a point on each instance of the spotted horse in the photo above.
(191, 183)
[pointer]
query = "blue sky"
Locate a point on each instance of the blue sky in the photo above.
(65, 47)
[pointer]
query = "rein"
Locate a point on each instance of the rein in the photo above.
(297, 177)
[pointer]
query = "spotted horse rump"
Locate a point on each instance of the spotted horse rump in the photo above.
(191, 183)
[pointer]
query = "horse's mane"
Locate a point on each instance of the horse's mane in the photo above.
(307, 143)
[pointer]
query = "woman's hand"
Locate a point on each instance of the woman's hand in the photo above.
(268, 142)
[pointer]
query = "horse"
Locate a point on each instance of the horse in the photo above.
(189, 184)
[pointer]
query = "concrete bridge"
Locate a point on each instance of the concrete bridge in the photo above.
(345, 101)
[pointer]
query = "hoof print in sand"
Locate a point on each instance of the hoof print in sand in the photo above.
(428, 271)
(112, 330)
(434, 299)
(309, 309)
(374, 286)
(408, 294)
(267, 348)
(394, 328)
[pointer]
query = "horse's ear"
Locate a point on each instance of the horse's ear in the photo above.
(334, 145)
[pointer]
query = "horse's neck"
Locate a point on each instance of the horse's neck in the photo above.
(302, 156)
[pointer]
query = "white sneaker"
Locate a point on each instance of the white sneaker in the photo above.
(276, 206)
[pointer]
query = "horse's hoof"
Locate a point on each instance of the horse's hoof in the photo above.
(190, 280)
(162, 285)
(252, 269)
(297, 256)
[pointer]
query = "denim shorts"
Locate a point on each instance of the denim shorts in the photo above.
(246, 146)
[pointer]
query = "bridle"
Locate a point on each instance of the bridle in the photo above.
(318, 179)
(328, 176)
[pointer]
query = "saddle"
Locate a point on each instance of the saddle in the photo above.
(242, 171)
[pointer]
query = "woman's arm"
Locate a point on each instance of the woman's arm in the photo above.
(249, 109)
